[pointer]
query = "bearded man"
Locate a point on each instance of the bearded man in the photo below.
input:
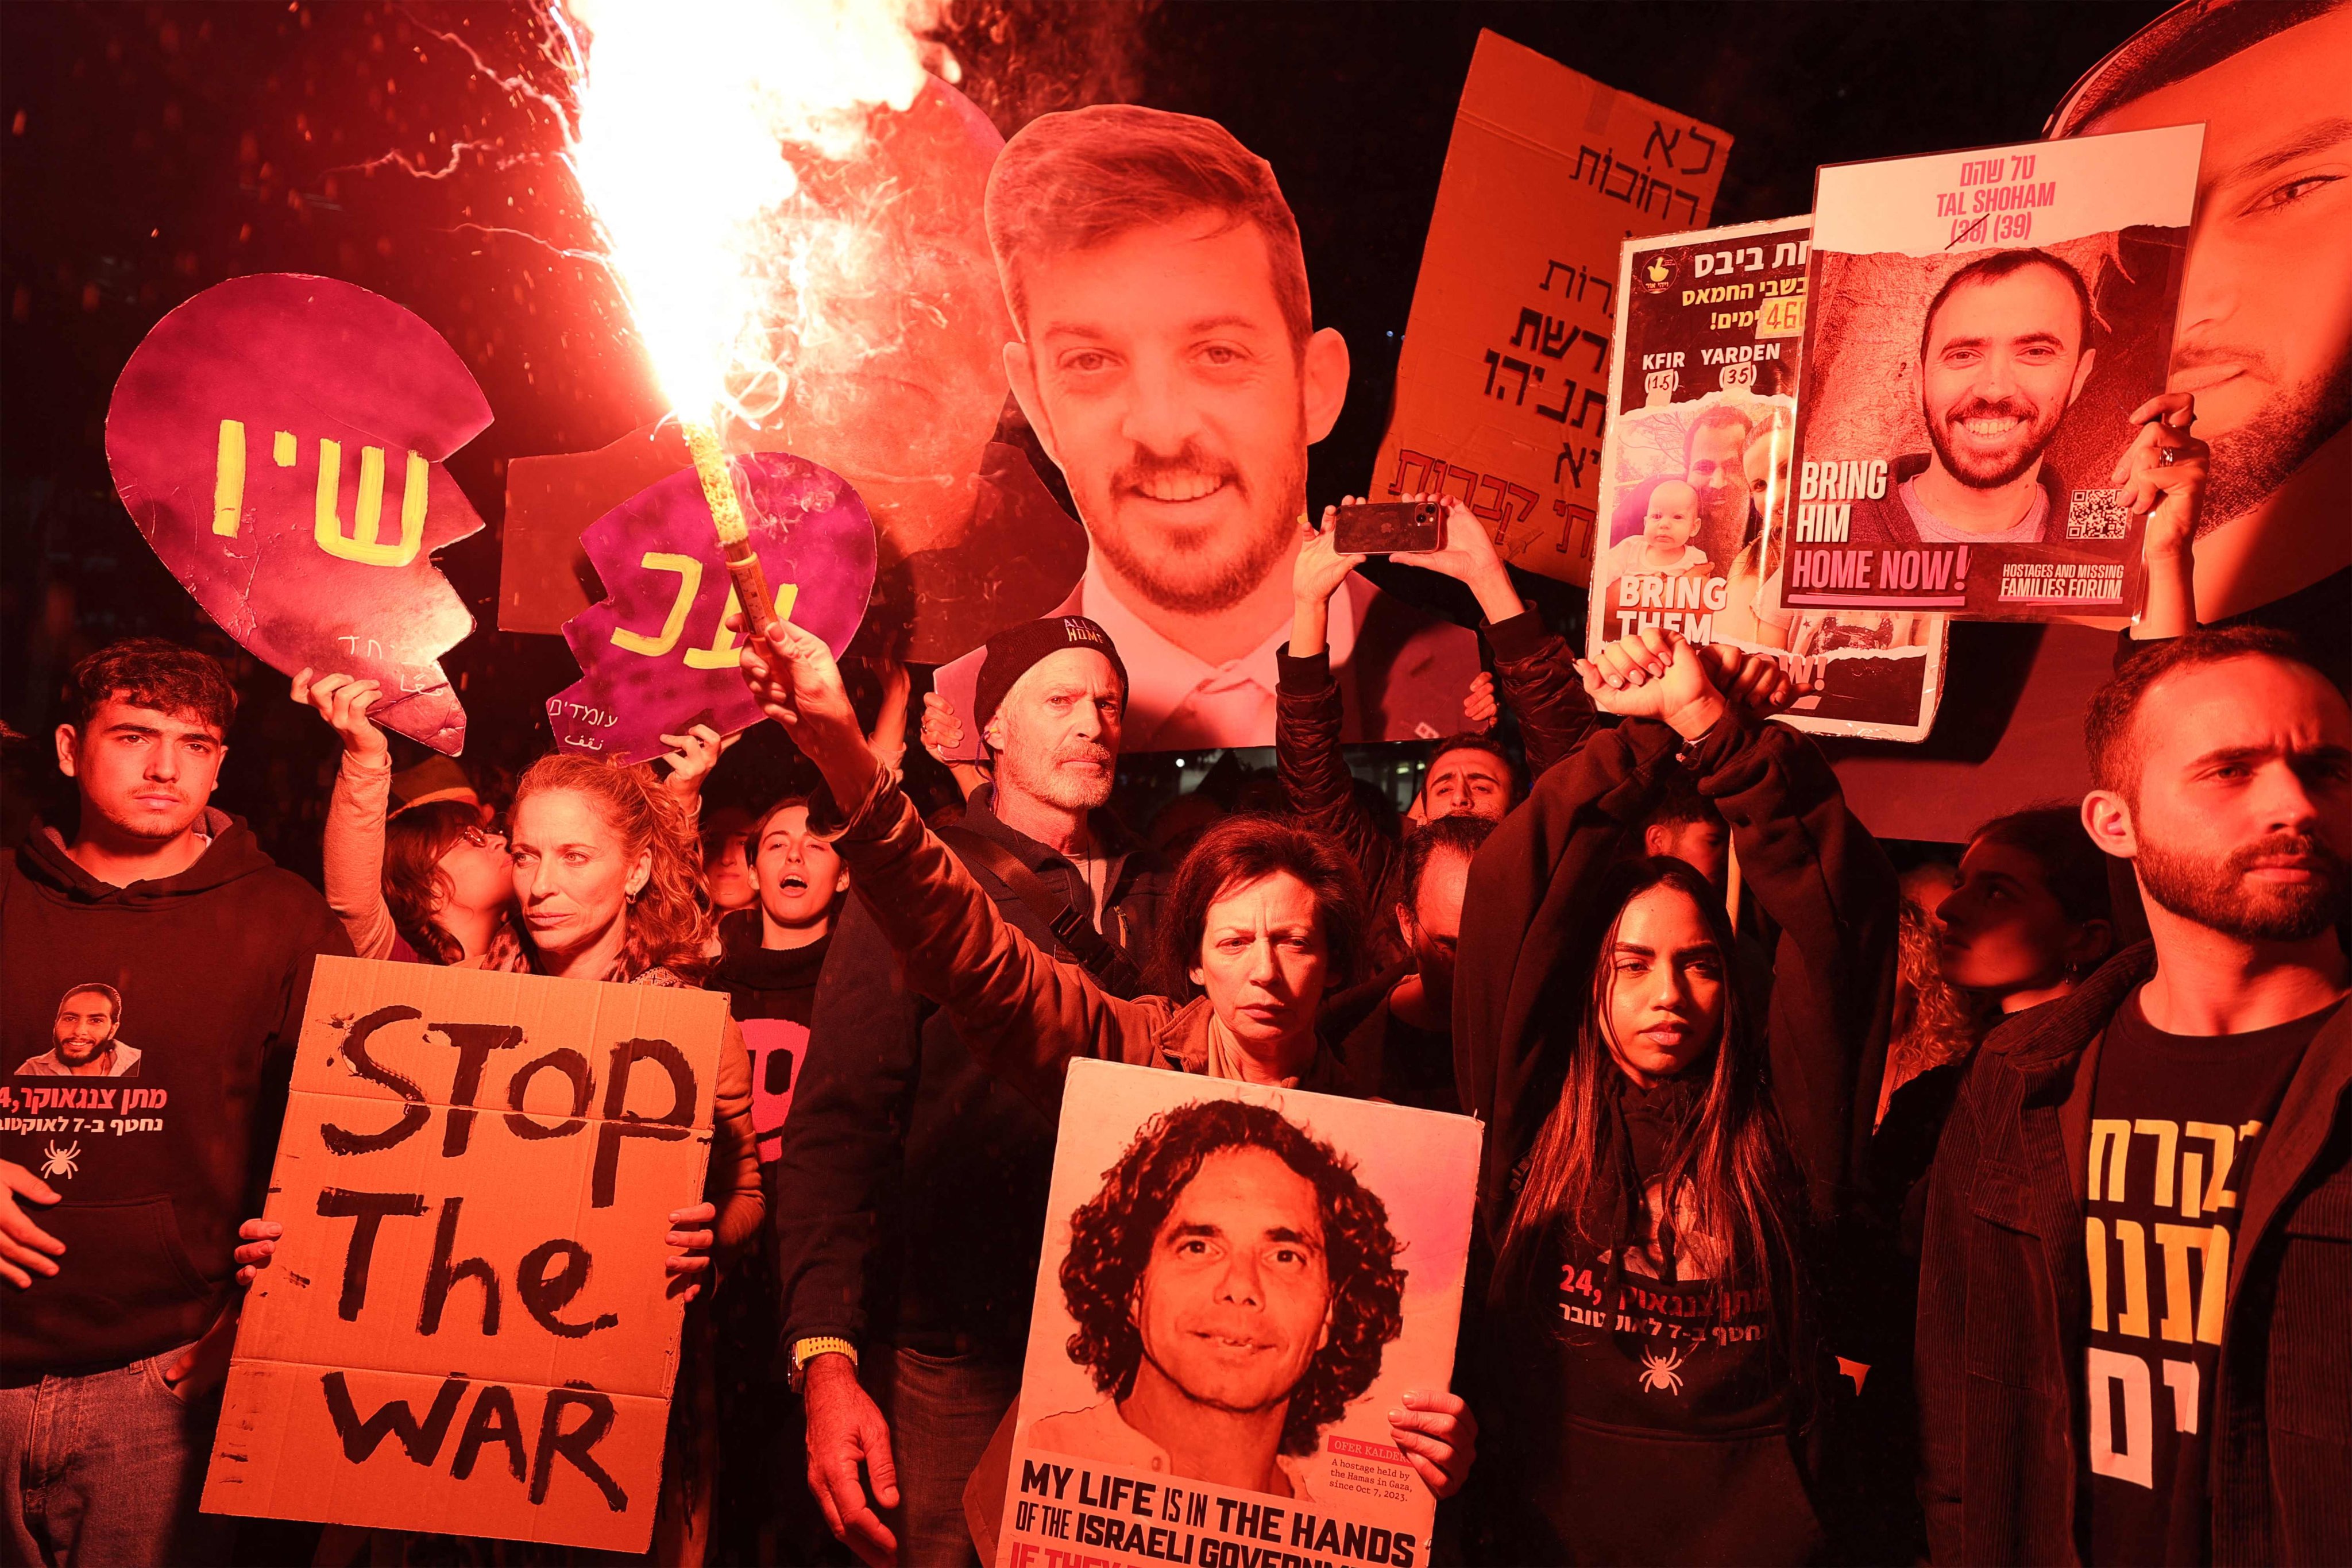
(1166, 354)
(2133, 1265)
(909, 1253)
(2003, 354)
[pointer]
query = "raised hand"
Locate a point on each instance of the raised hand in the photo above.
(2162, 475)
(1655, 674)
(343, 702)
(1479, 709)
(1468, 556)
(1760, 682)
(1315, 576)
(692, 755)
(1320, 568)
(943, 731)
(794, 678)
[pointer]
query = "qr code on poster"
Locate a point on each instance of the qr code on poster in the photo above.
(2096, 514)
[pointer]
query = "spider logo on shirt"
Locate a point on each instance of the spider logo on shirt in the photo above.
(1658, 1373)
(65, 1161)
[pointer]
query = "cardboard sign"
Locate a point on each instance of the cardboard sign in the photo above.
(1502, 388)
(1701, 429)
(1352, 1218)
(468, 1327)
(656, 652)
(279, 439)
(1983, 323)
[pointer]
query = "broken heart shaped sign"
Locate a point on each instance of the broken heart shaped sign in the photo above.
(655, 653)
(279, 439)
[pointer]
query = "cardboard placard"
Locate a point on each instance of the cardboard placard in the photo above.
(1983, 323)
(655, 653)
(1701, 426)
(467, 1327)
(280, 439)
(1352, 1218)
(1502, 387)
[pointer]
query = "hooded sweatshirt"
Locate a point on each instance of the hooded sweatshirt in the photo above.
(156, 1168)
(1619, 1435)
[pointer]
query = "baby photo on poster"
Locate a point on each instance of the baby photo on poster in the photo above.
(1696, 481)
(1238, 1283)
(1983, 324)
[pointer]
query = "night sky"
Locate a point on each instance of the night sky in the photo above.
(152, 151)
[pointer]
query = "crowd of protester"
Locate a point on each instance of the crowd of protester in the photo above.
(1732, 1067)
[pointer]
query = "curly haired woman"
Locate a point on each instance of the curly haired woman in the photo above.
(602, 880)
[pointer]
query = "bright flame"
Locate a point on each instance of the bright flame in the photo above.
(690, 115)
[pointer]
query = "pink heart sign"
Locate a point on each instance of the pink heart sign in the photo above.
(654, 654)
(279, 440)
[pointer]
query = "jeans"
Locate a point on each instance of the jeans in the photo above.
(942, 1411)
(106, 1469)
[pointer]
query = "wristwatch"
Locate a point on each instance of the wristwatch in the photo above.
(808, 1350)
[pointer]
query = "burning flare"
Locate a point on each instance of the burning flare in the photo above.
(692, 118)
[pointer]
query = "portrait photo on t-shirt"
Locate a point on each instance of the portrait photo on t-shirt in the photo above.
(85, 1037)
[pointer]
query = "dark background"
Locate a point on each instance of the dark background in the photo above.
(149, 151)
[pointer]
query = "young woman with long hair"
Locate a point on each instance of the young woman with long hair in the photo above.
(1669, 1149)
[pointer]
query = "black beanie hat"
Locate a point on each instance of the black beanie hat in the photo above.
(1012, 652)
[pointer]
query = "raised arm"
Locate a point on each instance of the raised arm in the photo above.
(1024, 1014)
(353, 851)
(1826, 890)
(1538, 673)
(1310, 714)
(2163, 477)
(1529, 901)
(1830, 902)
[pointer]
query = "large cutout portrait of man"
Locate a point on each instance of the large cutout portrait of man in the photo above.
(2264, 336)
(1165, 353)
(84, 1039)
(1233, 1286)
(2004, 349)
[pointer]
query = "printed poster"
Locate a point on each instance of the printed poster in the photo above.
(1502, 386)
(1241, 1279)
(1984, 322)
(1696, 471)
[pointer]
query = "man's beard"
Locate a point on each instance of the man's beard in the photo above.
(1057, 787)
(2218, 895)
(77, 1052)
(1226, 582)
(2255, 459)
(2029, 450)
(1723, 505)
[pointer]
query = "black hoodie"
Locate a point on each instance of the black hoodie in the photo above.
(1620, 1449)
(157, 1168)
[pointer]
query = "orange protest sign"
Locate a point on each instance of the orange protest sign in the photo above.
(466, 1327)
(1503, 386)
